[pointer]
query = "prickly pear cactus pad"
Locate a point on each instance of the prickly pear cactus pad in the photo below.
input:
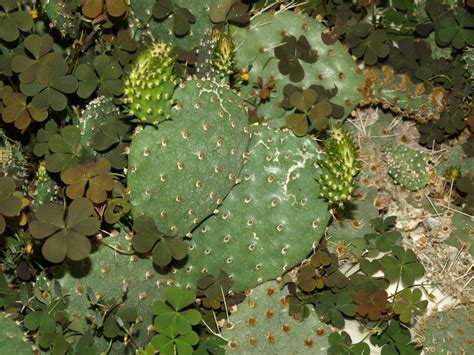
(183, 24)
(448, 332)
(269, 222)
(334, 67)
(97, 112)
(407, 166)
(11, 338)
(150, 85)
(262, 325)
(105, 272)
(179, 173)
(398, 93)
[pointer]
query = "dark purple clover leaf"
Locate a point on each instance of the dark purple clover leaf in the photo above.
(37, 53)
(65, 233)
(430, 135)
(65, 149)
(19, 112)
(104, 74)
(53, 82)
(165, 249)
(11, 21)
(111, 139)
(182, 17)
(214, 287)
(330, 37)
(289, 63)
(227, 11)
(305, 52)
(452, 121)
(368, 43)
(10, 204)
(123, 47)
(371, 305)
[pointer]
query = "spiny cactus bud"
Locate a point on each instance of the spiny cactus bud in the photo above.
(339, 167)
(151, 83)
(453, 173)
(224, 56)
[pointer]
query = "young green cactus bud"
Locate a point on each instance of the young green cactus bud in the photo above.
(453, 173)
(338, 167)
(151, 83)
(224, 56)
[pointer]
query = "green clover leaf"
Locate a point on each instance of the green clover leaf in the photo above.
(65, 233)
(32, 64)
(307, 108)
(53, 82)
(43, 136)
(456, 29)
(11, 22)
(403, 265)
(171, 317)
(10, 204)
(104, 74)
(64, 148)
(341, 344)
(408, 303)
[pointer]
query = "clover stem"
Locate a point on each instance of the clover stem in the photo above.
(116, 249)
(441, 76)
(213, 332)
(225, 306)
(106, 351)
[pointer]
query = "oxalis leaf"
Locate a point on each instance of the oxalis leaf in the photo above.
(165, 249)
(11, 21)
(64, 148)
(171, 318)
(403, 265)
(65, 233)
(104, 74)
(10, 205)
(408, 303)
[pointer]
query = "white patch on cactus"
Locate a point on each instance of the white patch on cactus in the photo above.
(299, 164)
(216, 92)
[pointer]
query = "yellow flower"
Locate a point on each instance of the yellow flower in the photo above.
(245, 76)
(34, 14)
